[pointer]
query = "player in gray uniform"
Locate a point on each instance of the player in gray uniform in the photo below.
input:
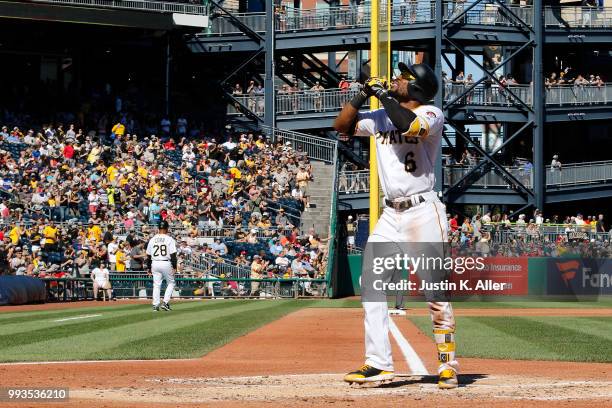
(161, 251)
(408, 132)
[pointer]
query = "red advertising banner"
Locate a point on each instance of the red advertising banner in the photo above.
(500, 276)
(494, 276)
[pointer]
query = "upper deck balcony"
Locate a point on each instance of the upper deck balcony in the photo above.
(576, 181)
(348, 27)
(148, 14)
(306, 109)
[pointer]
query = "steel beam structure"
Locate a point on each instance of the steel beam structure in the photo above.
(269, 89)
(460, 37)
(464, 33)
(537, 114)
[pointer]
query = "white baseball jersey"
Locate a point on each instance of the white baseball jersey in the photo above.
(111, 249)
(101, 275)
(161, 247)
(405, 164)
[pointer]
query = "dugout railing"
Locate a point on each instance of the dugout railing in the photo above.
(133, 286)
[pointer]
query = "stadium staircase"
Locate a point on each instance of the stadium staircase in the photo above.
(323, 155)
(320, 192)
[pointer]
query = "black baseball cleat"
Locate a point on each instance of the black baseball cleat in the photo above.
(165, 307)
(156, 308)
(367, 373)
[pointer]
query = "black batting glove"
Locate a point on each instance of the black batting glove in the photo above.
(358, 100)
(375, 87)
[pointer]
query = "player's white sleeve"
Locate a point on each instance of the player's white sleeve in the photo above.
(429, 120)
(434, 118)
(366, 123)
(150, 248)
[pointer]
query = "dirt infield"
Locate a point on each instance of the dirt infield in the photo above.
(300, 359)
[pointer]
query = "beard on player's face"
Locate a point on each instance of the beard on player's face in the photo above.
(399, 89)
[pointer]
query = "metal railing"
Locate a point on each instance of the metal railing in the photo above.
(332, 100)
(316, 148)
(143, 231)
(305, 101)
(72, 289)
(141, 5)
(560, 95)
(580, 173)
(209, 231)
(486, 14)
(289, 19)
(578, 17)
(487, 94)
(351, 182)
(409, 12)
(197, 263)
(453, 174)
(222, 25)
(556, 95)
(314, 101)
(571, 174)
(537, 235)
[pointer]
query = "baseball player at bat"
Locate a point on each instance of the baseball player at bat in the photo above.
(161, 251)
(408, 133)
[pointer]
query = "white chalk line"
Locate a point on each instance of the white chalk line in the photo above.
(97, 361)
(78, 317)
(412, 358)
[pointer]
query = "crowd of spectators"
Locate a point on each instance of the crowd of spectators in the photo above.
(568, 77)
(293, 98)
(536, 236)
(72, 201)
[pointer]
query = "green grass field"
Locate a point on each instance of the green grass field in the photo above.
(586, 339)
(133, 331)
(195, 328)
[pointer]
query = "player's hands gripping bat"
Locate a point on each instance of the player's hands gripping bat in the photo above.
(375, 87)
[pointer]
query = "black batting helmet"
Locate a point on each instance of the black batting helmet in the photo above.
(163, 224)
(423, 81)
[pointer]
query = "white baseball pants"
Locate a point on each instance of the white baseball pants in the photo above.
(425, 222)
(162, 270)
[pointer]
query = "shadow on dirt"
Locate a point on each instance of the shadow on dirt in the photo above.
(403, 380)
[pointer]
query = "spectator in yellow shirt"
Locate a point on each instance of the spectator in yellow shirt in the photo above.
(94, 233)
(50, 235)
(111, 173)
(15, 234)
(142, 172)
(118, 130)
(94, 155)
(264, 223)
(234, 171)
(120, 258)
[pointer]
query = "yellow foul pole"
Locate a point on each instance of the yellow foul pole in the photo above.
(374, 71)
(380, 66)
